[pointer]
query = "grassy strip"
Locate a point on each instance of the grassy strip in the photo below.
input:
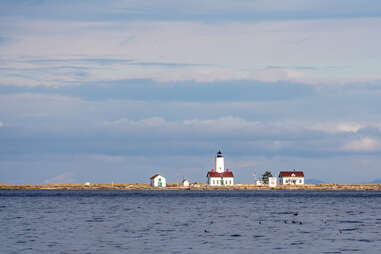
(194, 186)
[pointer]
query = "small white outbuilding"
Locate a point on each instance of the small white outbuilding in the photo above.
(272, 182)
(185, 183)
(259, 182)
(158, 181)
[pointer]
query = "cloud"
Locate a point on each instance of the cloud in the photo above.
(275, 135)
(108, 158)
(64, 178)
(170, 10)
(152, 122)
(337, 127)
(212, 127)
(191, 51)
(148, 90)
(366, 144)
(215, 74)
(247, 10)
(3, 40)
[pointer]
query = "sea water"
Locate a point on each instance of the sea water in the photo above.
(190, 221)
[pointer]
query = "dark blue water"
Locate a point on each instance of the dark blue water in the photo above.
(190, 222)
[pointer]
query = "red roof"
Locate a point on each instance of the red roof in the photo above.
(291, 174)
(152, 177)
(223, 174)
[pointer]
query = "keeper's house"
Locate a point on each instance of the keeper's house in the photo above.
(291, 177)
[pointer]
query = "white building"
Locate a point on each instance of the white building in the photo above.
(291, 177)
(259, 182)
(220, 176)
(185, 183)
(272, 182)
(158, 181)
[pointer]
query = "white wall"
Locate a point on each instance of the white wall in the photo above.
(220, 164)
(272, 182)
(291, 180)
(157, 179)
(216, 181)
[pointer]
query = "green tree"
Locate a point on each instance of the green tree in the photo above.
(265, 177)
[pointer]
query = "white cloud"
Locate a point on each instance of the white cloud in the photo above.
(230, 127)
(336, 127)
(226, 51)
(212, 74)
(107, 158)
(223, 124)
(147, 122)
(237, 8)
(366, 144)
(64, 178)
(341, 127)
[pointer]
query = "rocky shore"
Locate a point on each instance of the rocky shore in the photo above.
(194, 186)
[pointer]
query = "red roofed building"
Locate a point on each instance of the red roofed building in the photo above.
(220, 176)
(291, 177)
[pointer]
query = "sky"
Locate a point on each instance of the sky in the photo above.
(104, 91)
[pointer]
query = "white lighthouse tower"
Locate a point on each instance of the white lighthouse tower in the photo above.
(220, 164)
(220, 176)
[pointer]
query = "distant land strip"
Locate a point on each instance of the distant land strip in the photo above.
(193, 186)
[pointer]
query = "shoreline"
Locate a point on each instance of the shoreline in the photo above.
(196, 186)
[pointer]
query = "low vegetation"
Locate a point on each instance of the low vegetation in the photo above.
(193, 186)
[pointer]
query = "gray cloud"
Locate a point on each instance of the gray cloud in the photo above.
(187, 51)
(47, 135)
(210, 11)
(64, 178)
(3, 40)
(141, 89)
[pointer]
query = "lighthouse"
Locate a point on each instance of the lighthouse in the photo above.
(220, 163)
(219, 176)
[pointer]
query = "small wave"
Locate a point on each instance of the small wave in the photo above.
(297, 243)
(366, 240)
(349, 250)
(348, 229)
(350, 221)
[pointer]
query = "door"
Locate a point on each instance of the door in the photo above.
(160, 183)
